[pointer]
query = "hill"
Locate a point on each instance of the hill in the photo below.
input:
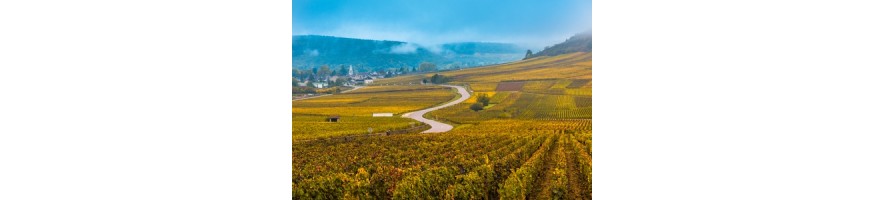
(310, 51)
(567, 66)
(581, 42)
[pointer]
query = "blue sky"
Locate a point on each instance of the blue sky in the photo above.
(535, 23)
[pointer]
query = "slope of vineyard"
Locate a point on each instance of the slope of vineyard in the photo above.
(354, 109)
(532, 141)
(306, 127)
(567, 66)
(468, 162)
(375, 99)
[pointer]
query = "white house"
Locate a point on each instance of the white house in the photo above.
(320, 84)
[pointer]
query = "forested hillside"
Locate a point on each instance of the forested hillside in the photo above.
(581, 42)
(310, 51)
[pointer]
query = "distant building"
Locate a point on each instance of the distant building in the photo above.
(364, 81)
(333, 118)
(320, 84)
(350, 71)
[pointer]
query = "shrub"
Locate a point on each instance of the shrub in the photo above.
(438, 79)
(476, 107)
(484, 99)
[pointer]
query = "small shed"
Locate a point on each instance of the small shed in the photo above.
(333, 118)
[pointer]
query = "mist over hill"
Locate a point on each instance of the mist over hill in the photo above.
(581, 42)
(309, 51)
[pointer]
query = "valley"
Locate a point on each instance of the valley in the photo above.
(524, 131)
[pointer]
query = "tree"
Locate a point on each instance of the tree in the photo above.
(484, 99)
(476, 106)
(437, 79)
(314, 70)
(427, 67)
(340, 81)
(303, 74)
(342, 70)
(324, 70)
(528, 54)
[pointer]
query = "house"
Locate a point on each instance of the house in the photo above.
(364, 81)
(333, 118)
(320, 84)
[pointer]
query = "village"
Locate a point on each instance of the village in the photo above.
(323, 80)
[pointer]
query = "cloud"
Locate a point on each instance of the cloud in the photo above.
(405, 48)
(313, 52)
(437, 49)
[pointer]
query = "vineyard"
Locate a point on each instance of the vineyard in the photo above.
(504, 159)
(315, 126)
(533, 139)
(546, 88)
(375, 99)
(568, 66)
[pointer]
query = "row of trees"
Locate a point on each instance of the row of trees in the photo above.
(316, 73)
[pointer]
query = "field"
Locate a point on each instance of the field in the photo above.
(568, 66)
(354, 109)
(305, 127)
(375, 99)
(532, 141)
(497, 159)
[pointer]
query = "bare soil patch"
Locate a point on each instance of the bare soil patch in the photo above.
(510, 86)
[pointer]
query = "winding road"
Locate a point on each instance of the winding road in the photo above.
(435, 126)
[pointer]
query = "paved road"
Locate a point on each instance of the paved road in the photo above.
(346, 91)
(435, 126)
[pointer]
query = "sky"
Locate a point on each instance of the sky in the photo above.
(530, 23)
